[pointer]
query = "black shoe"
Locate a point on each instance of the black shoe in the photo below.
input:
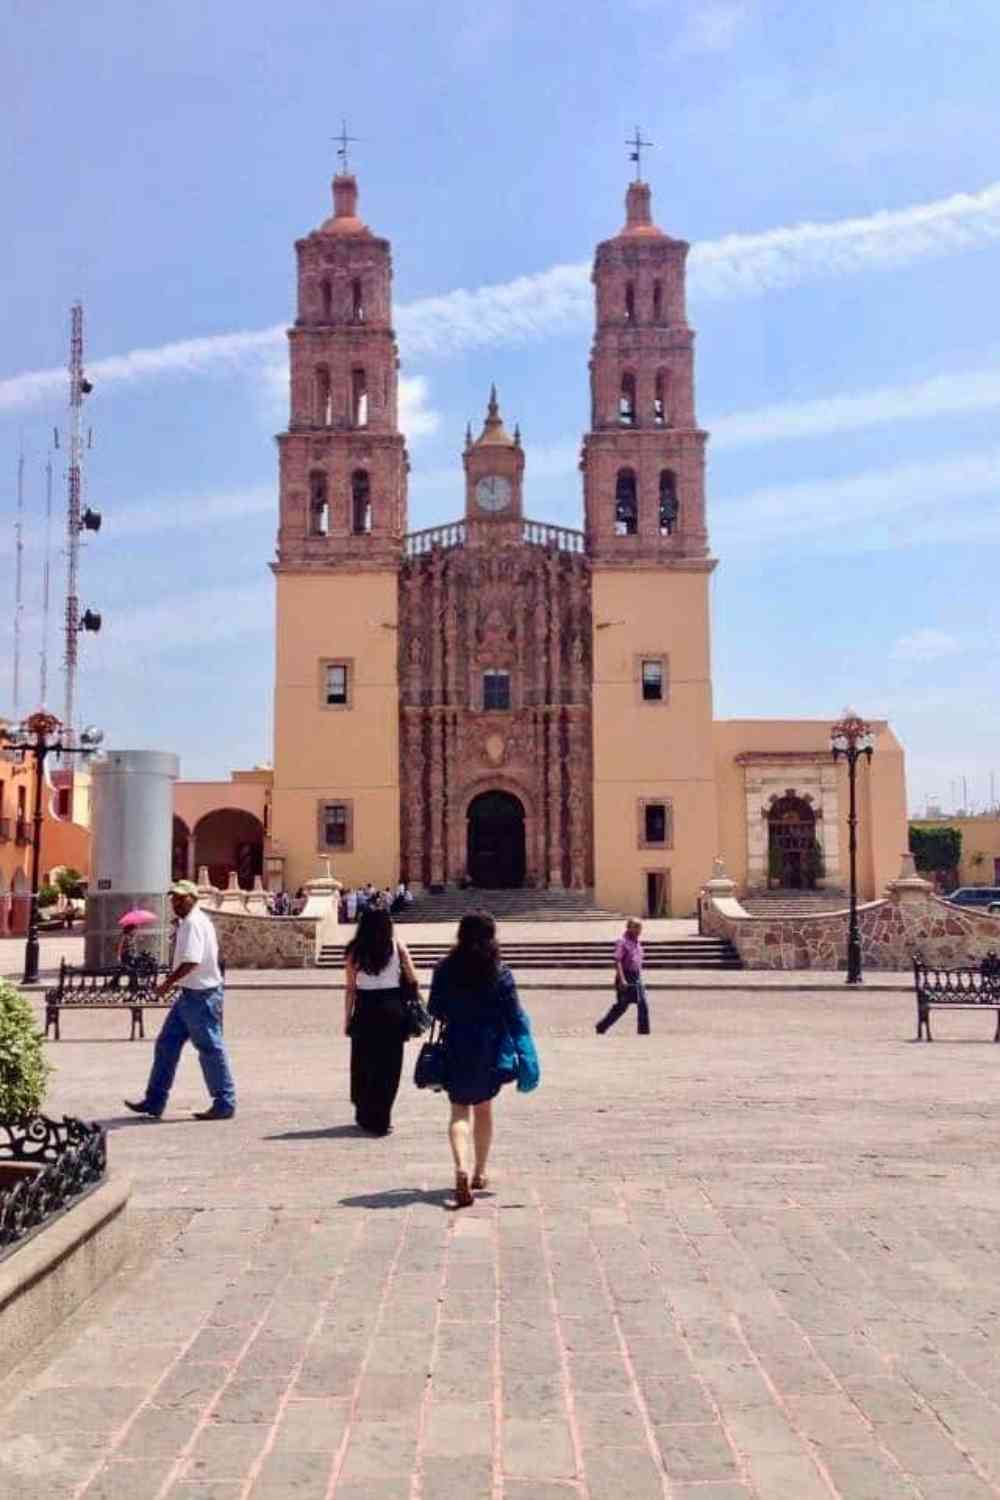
(217, 1112)
(140, 1107)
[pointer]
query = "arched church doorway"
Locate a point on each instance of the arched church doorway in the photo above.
(496, 851)
(793, 854)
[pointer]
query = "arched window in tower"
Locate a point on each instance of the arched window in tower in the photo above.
(357, 302)
(359, 398)
(326, 296)
(669, 504)
(361, 503)
(629, 302)
(324, 404)
(660, 400)
(319, 509)
(626, 504)
(657, 301)
(626, 401)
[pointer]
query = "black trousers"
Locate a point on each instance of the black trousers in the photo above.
(629, 994)
(377, 1036)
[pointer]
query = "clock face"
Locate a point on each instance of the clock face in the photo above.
(493, 492)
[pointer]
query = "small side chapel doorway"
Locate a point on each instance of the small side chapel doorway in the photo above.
(496, 845)
(793, 860)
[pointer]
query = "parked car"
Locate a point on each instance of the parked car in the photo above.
(976, 895)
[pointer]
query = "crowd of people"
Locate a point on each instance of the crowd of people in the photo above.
(352, 902)
(483, 1039)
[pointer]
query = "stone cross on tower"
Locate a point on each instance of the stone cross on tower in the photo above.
(636, 143)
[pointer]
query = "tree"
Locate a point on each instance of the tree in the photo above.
(24, 1071)
(936, 851)
(67, 881)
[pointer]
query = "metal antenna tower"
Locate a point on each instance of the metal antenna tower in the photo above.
(73, 514)
(19, 583)
(43, 674)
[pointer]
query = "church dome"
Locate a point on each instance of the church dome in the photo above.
(494, 434)
(345, 207)
(639, 214)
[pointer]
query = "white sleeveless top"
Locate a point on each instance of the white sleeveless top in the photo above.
(386, 979)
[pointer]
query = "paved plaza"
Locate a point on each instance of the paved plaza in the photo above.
(754, 1254)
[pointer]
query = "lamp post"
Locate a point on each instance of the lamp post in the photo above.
(852, 738)
(41, 736)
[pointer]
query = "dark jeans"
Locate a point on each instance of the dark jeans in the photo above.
(633, 993)
(195, 1016)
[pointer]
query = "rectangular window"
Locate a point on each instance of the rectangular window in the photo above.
(496, 690)
(336, 682)
(652, 680)
(334, 825)
(655, 823)
(336, 685)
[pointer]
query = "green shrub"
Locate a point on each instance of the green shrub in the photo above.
(936, 850)
(48, 895)
(24, 1070)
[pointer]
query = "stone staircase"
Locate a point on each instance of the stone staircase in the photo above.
(574, 954)
(510, 905)
(793, 903)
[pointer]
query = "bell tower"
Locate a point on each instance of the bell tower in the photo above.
(343, 469)
(343, 458)
(644, 456)
(643, 463)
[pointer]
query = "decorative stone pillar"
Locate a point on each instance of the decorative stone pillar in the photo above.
(555, 802)
(232, 898)
(908, 885)
(256, 901)
(437, 801)
(207, 893)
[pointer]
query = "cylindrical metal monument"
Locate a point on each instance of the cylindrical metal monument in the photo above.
(131, 826)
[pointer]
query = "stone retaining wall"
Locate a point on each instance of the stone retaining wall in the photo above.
(910, 921)
(253, 942)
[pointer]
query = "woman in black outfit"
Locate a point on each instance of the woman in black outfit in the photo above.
(374, 1017)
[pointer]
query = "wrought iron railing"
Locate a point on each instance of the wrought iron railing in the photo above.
(454, 534)
(70, 1156)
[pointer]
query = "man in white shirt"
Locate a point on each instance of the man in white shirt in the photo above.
(196, 1014)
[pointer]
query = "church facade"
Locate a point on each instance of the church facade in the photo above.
(500, 700)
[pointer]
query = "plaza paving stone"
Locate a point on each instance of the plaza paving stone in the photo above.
(752, 1255)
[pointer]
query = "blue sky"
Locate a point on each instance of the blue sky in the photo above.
(835, 170)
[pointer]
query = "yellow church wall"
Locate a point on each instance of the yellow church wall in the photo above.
(881, 791)
(651, 751)
(350, 754)
(980, 862)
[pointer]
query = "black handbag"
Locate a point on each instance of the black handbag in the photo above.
(416, 1016)
(432, 1063)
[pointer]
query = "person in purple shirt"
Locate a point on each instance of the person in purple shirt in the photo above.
(629, 988)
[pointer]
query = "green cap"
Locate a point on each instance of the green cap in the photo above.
(184, 888)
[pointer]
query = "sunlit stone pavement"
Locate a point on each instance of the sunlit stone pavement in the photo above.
(754, 1254)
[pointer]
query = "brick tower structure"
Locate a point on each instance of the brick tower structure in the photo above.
(644, 503)
(343, 469)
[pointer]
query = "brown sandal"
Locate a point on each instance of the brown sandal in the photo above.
(463, 1197)
(480, 1182)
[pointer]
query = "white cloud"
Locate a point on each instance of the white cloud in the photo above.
(712, 27)
(531, 307)
(879, 509)
(925, 645)
(964, 391)
(197, 621)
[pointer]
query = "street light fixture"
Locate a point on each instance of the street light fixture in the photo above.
(41, 736)
(852, 738)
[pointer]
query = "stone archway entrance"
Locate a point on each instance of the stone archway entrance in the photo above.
(230, 839)
(496, 846)
(793, 860)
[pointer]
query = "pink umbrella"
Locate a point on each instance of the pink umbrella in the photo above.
(137, 917)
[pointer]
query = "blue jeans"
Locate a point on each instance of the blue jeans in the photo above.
(196, 1016)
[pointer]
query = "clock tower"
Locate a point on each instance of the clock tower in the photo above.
(494, 478)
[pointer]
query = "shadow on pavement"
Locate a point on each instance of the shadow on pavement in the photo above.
(401, 1198)
(327, 1133)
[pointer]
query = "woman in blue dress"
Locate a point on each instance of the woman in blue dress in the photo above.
(487, 1042)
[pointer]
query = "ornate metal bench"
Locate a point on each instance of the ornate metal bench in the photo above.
(971, 988)
(125, 987)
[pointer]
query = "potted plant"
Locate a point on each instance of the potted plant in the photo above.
(775, 867)
(24, 1071)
